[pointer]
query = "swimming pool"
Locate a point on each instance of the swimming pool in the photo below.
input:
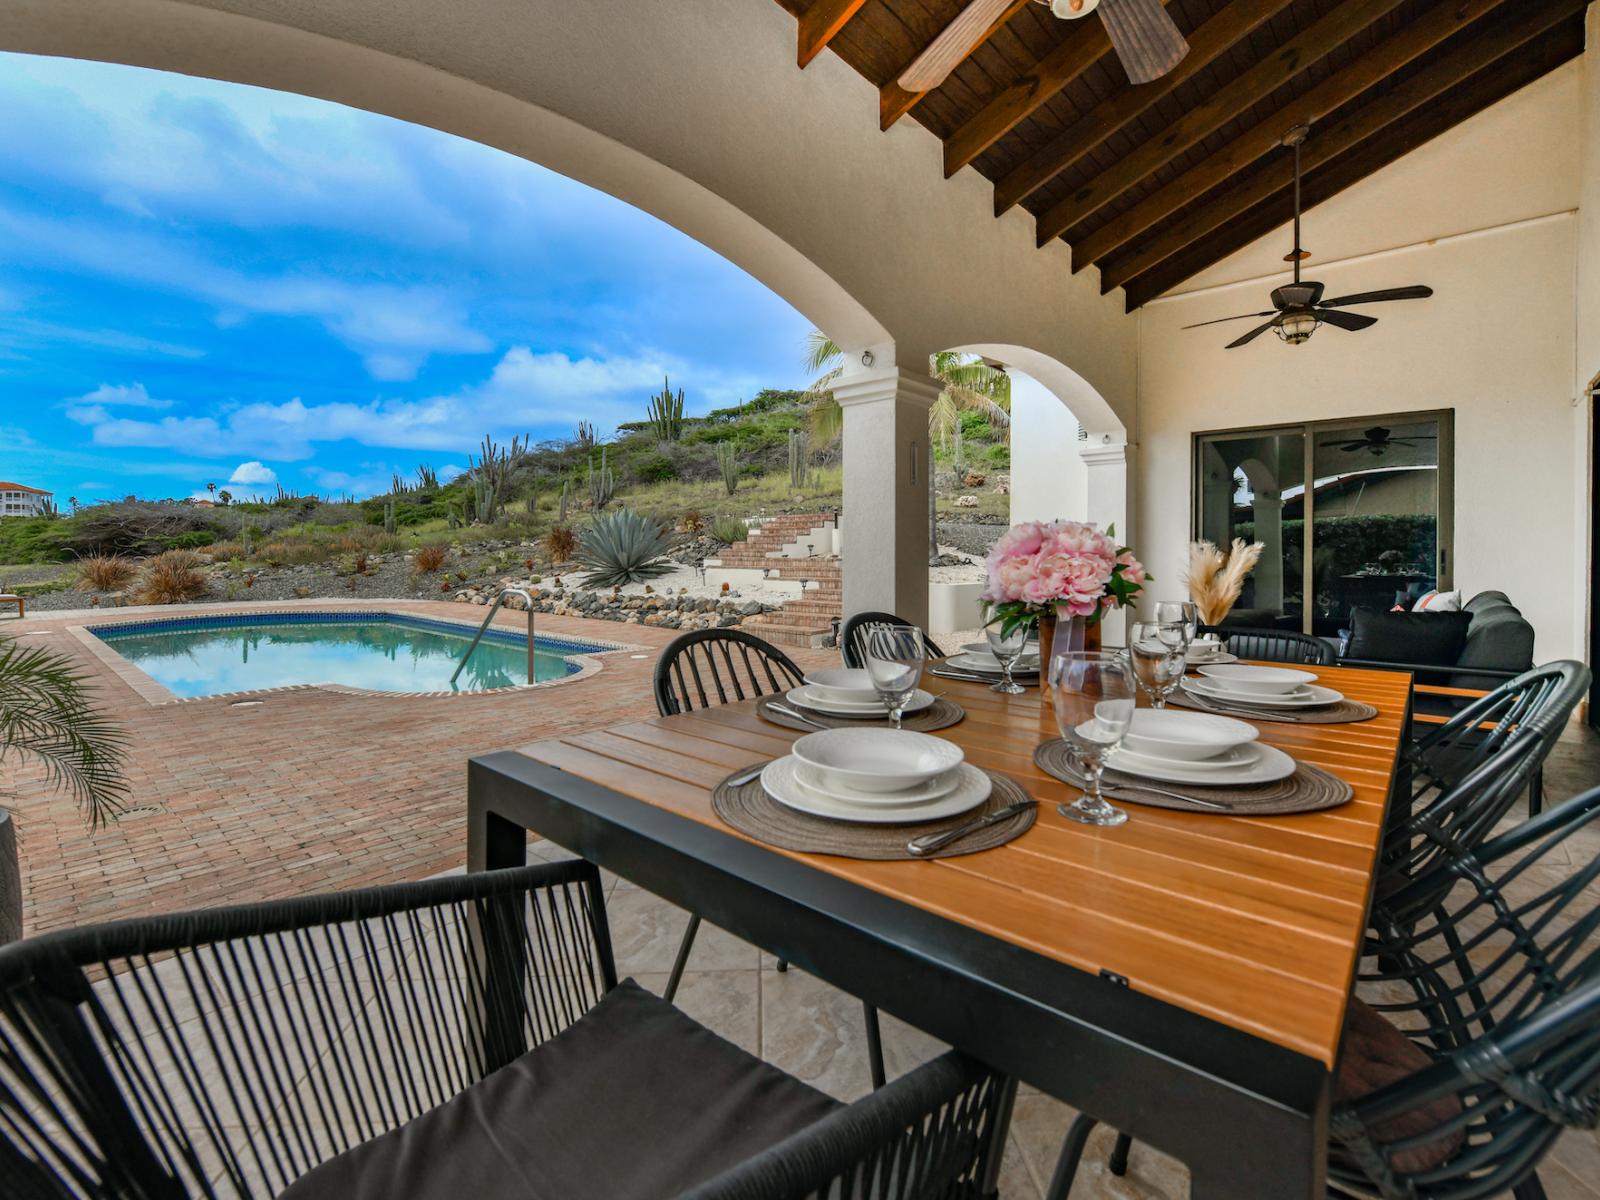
(378, 651)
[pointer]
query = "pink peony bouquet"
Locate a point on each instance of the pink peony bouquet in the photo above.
(1068, 568)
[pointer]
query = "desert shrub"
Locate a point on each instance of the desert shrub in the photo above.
(170, 578)
(622, 547)
(141, 526)
(692, 521)
(34, 540)
(560, 543)
(225, 551)
(729, 529)
(654, 469)
(430, 557)
(193, 540)
(105, 573)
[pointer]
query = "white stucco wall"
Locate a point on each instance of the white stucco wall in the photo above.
(1486, 215)
(1586, 349)
(1048, 479)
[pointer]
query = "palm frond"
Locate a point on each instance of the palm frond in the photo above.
(826, 419)
(46, 715)
(821, 352)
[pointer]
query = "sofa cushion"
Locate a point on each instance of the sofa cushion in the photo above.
(1374, 1054)
(1430, 638)
(1499, 637)
(634, 1101)
(1437, 601)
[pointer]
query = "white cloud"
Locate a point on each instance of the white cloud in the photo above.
(252, 473)
(124, 395)
(450, 471)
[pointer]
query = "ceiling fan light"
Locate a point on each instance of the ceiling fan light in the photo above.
(1071, 10)
(1297, 327)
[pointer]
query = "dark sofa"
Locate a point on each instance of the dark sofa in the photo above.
(1486, 643)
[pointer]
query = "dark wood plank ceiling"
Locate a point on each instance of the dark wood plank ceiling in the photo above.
(1154, 184)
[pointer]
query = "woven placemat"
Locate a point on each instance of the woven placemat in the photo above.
(941, 714)
(750, 810)
(1307, 790)
(1345, 712)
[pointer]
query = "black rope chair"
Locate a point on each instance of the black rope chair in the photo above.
(310, 1044)
(1539, 701)
(722, 666)
(853, 637)
(1274, 645)
(1491, 973)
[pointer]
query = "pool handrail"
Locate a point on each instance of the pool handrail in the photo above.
(527, 599)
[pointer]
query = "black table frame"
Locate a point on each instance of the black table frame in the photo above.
(1248, 1117)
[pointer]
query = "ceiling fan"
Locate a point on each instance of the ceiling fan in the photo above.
(1378, 441)
(1298, 308)
(1144, 37)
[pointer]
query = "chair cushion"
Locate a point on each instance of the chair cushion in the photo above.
(1430, 638)
(1375, 1054)
(634, 1101)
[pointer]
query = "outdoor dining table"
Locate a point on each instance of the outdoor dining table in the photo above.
(1182, 977)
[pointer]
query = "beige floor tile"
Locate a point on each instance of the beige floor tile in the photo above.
(815, 1032)
(726, 1002)
(646, 932)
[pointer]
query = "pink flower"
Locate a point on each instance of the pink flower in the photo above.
(1133, 569)
(1041, 563)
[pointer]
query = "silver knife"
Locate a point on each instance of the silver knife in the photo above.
(930, 843)
(744, 777)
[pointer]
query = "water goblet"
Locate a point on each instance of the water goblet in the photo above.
(1159, 655)
(1094, 696)
(895, 655)
(1179, 612)
(1007, 647)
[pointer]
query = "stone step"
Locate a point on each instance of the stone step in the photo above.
(798, 636)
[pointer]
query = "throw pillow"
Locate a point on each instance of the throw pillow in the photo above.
(1437, 601)
(1433, 639)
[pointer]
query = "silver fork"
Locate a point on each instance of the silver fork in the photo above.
(773, 706)
(1277, 714)
(1112, 790)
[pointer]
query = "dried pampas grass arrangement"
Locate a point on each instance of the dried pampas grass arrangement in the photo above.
(1215, 582)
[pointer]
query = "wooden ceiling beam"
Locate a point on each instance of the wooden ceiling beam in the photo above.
(895, 101)
(820, 23)
(1222, 106)
(1084, 45)
(1331, 141)
(1445, 19)
(1206, 44)
(1499, 80)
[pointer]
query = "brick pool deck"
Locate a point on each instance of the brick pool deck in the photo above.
(308, 790)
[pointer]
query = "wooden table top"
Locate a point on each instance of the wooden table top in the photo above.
(1255, 922)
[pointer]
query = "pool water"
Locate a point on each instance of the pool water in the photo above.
(383, 652)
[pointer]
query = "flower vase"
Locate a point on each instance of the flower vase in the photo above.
(1061, 632)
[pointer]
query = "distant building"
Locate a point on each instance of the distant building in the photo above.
(19, 501)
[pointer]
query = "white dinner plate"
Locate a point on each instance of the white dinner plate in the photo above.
(783, 784)
(1314, 696)
(934, 789)
(986, 664)
(1267, 764)
(803, 697)
(1215, 660)
(1229, 760)
(983, 647)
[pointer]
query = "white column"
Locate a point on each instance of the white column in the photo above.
(886, 477)
(1109, 488)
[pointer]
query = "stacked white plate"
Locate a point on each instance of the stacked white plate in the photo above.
(1208, 651)
(1261, 687)
(976, 656)
(876, 776)
(1199, 748)
(845, 692)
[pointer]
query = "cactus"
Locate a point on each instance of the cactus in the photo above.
(586, 437)
(561, 515)
(452, 515)
(485, 498)
(389, 523)
(799, 458)
(728, 461)
(249, 548)
(666, 414)
(602, 486)
(959, 461)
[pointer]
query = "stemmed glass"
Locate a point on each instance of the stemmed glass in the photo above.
(1094, 700)
(1007, 648)
(1160, 656)
(1179, 612)
(895, 654)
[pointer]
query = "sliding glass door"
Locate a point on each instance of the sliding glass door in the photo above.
(1372, 529)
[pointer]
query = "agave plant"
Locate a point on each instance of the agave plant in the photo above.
(622, 547)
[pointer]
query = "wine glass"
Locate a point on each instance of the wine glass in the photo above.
(1179, 612)
(1094, 700)
(1159, 653)
(895, 654)
(1007, 648)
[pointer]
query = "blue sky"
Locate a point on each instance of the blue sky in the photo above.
(201, 282)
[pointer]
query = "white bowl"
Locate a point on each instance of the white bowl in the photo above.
(844, 684)
(1257, 681)
(1185, 736)
(875, 760)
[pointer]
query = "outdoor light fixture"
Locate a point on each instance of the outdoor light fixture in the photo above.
(1296, 327)
(1071, 10)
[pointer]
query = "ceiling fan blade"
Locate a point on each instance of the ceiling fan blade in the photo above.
(1225, 320)
(1252, 335)
(1419, 292)
(1344, 320)
(950, 49)
(1352, 446)
(1144, 37)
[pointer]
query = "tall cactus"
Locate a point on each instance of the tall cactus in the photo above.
(390, 524)
(960, 460)
(602, 486)
(666, 413)
(485, 498)
(586, 437)
(799, 458)
(561, 518)
(728, 462)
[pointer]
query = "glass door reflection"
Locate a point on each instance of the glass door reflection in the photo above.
(1246, 483)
